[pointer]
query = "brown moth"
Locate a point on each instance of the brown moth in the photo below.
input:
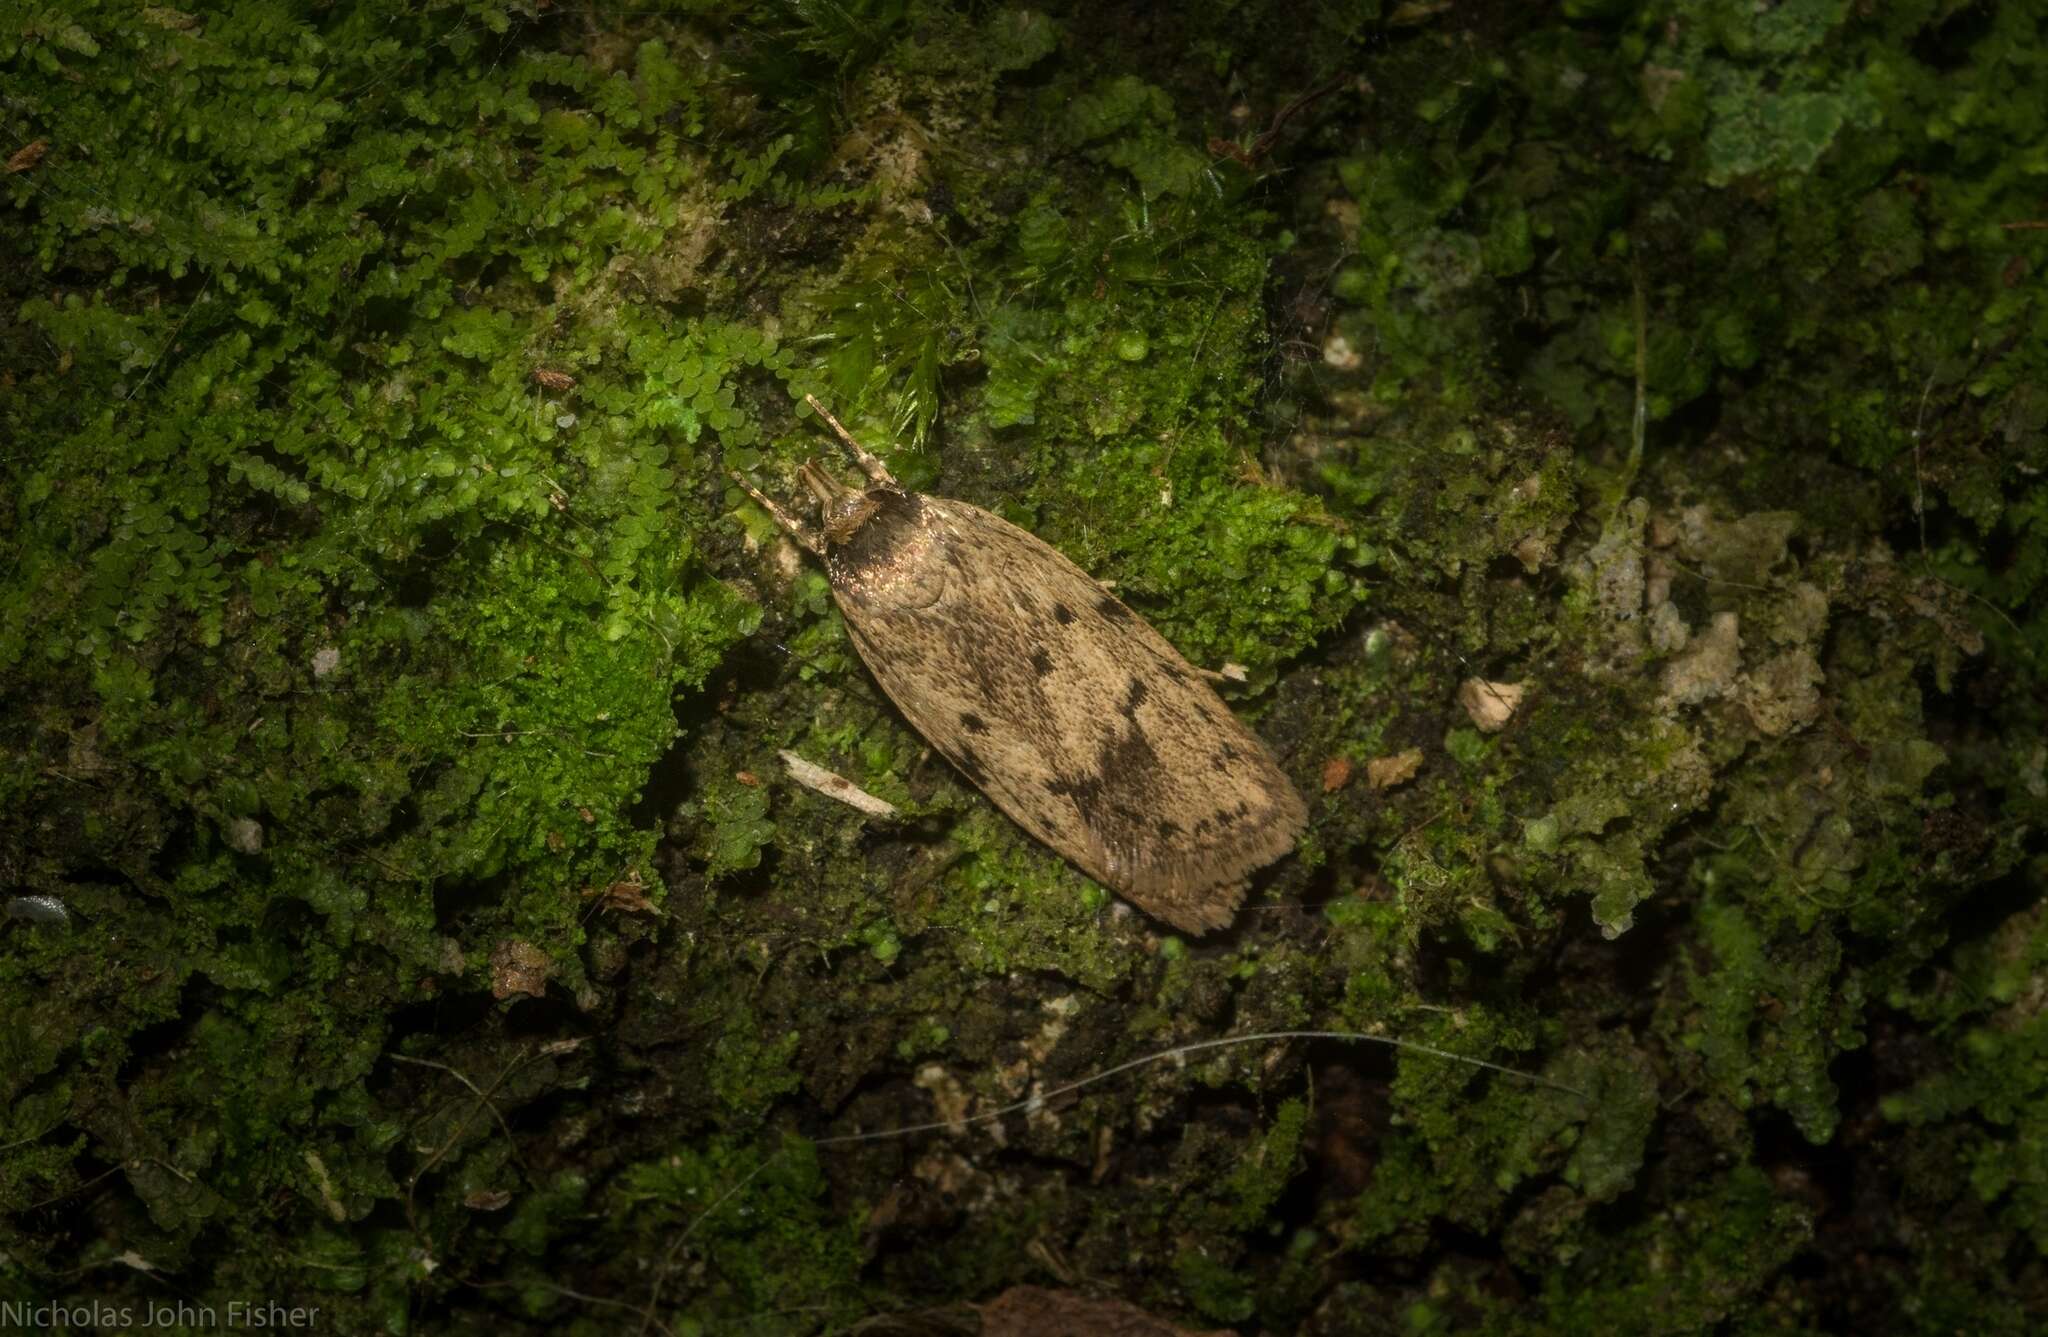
(1059, 703)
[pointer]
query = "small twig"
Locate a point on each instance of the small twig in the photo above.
(23, 1141)
(175, 332)
(668, 1259)
(483, 1101)
(1640, 418)
(1038, 1101)
(1187, 388)
(1920, 475)
(77, 1188)
(566, 1293)
(1182, 1051)
(1920, 503)
(1263, 145)
(1701, 576)
(819, 780)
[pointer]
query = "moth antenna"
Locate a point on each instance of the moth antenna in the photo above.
(869, 463)
(790, 524)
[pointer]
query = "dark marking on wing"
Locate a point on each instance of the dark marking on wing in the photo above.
(1062, 614)
(970, 766)
(1111, 609)
(1225, 755)
(1134, 696)
(986, 674)
(1128, 757)
(1227, 818)
(1079, 790)
(973, 723)
(1041, 662)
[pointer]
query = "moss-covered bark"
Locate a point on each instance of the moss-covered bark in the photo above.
(1611, 440)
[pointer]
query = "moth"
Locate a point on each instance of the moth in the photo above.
(1058, 702)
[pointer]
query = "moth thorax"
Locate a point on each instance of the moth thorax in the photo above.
(842, 516)
(883, 547)
(842, 510)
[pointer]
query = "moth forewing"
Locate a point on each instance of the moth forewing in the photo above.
(1062, 705)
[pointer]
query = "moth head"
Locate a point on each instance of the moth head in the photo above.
(842, 510)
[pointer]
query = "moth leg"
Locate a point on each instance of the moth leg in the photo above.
(868, 462)
(794, 527)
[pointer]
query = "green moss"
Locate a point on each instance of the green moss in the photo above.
(1983, 999)
(1771, 1022)
(1258, 1183)
(1214, 1290)
(395, 678)
(749, 1069)
(773, 1250)
(1711, 1259)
